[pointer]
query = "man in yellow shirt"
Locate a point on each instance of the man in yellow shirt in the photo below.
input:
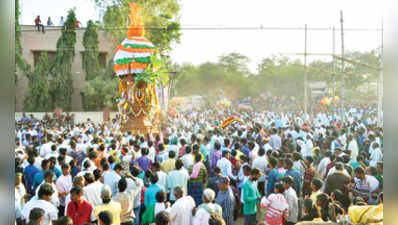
(112, 207)
(169, 164)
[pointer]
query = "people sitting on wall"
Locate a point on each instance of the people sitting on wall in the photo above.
(78, 24)
(49, 22)
(39, 24)
(61, 22)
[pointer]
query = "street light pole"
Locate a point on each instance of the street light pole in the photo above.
(305, 72)
(342, 66)
(334, 68)
(380, 89)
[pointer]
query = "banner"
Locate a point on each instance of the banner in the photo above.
(230, 120)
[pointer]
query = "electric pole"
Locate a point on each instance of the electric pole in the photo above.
(334, 68)
(380, 86)
(305, 72)
(342, 67)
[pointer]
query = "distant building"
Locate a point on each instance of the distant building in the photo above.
(34, 42)
(318, 88)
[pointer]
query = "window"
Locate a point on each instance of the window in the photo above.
(50, 55)
(101, 59)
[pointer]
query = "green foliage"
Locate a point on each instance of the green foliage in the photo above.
(155, 13)
(276, 75)
(155, 72)
(235, 62)
(19, 61)
(38, 98)
(357, 74)
(61, 83)
(162, 15)
(99, 90)
(280, 75)
(90, 56)
(229, 75)
(100, 93)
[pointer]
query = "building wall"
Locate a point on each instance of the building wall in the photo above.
(32, 40)
(80, 117)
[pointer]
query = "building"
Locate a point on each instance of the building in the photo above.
(318, 88)
(34, 42)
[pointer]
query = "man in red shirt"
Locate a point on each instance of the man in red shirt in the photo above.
(39, 24)
(78, 209)
(77, 24)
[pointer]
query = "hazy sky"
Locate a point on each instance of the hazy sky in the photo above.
(198, 46)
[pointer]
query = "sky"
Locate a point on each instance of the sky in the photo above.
(198, 46)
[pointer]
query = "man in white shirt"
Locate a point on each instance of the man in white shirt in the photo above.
(372, 140)
(81, 145)
(226, 166)
(177, 177)
(241, 174)
(291, 197)
(52, 153)
(61, 22)
(334, 170)
(64, 144)
(92, 191)
(267, 147)
(343, 138)
(43, 202)
(187, 158)
(135, 186)
(162, 182)
(376, 155)
(307, 151)
(112, 177)
(181, 211)
(49, 179)
(261, 163)
(20, 191)
(64, 185)
(275, 140)
(46, 148)
(171, 147)
(373, 182)
(151, 151)
(353, 148)
(321, 169)
(91, 158)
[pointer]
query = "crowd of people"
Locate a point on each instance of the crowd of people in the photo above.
(312, 167)
(40, 25)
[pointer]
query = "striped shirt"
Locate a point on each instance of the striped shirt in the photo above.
(226, 200)
(202, 174)
(362, 187)
(277, 208)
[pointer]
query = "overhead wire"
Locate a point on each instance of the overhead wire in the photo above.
(217, 28)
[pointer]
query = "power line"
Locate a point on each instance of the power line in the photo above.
(221, 28)
(337, 57)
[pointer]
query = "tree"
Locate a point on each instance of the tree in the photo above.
(230, 75)
(280, 76)
(100, 93)
(38, 98)
(61, 84)
(275, 75)
(90, 56)
(235, 62)
(160, 17)
(19, 60)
